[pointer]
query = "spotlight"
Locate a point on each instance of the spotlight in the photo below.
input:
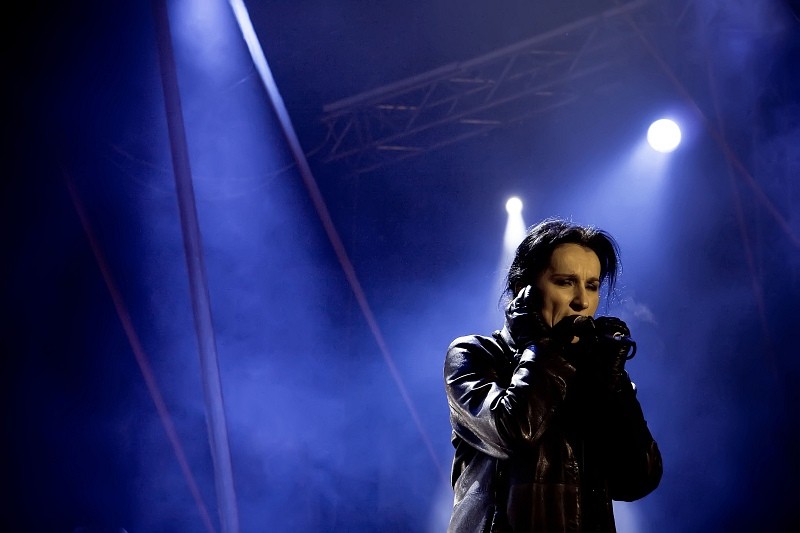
(514, 206)
(515, 226)
(664, 135)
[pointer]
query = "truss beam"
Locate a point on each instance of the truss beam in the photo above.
(471, 98)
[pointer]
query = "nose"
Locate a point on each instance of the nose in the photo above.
(580, 301)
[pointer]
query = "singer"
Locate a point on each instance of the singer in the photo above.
(547, 429)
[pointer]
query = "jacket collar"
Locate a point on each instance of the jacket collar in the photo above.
(506, 337)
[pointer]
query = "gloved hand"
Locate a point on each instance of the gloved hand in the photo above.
(576, 334)
(614, 347)
(523, 322)
(580, 326)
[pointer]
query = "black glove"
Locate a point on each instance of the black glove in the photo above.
(614, 347)
(579, 326)
(523, 323)
(577, 336)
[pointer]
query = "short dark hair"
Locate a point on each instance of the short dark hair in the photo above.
(533, 254)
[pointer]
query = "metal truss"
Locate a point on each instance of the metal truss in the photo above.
(471, 98)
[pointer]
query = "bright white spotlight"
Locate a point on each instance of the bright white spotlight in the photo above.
(515, 227)
(664, 135)
(514, 206)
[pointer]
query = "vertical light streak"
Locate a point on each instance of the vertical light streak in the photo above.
(261, 65)
(141, 357)
(198, 286)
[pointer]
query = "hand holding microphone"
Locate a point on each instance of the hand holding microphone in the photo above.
(602, 347)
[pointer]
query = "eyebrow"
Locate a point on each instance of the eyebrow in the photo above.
(574, 276)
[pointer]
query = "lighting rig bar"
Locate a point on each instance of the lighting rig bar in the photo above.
(463, 100)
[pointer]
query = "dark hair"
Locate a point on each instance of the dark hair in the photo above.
(533, 254)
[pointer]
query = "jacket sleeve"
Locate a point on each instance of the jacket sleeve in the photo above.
(635, 466)
(493, 413)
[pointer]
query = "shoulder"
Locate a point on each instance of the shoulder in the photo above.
(475, 343)
(474, 348)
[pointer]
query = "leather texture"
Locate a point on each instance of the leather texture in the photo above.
(537, 448)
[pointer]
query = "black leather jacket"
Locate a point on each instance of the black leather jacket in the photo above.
(533, 453)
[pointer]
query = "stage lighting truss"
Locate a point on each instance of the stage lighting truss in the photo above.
(507, 86)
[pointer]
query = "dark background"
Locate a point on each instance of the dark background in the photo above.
(321, 438)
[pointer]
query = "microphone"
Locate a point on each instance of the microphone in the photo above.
(605, 330)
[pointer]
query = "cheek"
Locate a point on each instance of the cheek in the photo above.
(554, 302)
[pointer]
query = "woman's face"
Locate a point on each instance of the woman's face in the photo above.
(570, 285)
